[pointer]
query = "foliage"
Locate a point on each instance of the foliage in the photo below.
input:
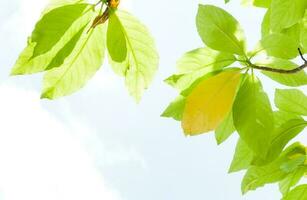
(216, 94)
(219, 89)
(69, 44)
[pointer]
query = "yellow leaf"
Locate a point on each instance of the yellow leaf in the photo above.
(210, 102)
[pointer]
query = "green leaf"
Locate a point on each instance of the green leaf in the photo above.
(203, 58)
(291, 100)
(225, 129)
(304, 33)
(298, 193)
(219, 30)
(282, 135)
(279, 45)
(78, 67)
(253, 115)
(196, 64)
(116, 41)
(291, 180)
(142, 58)
(242, 158)
(257, 177)
(29, 62)
(286, 13)
(262, 3)
(294, 163)
(53, 25)
(175, 109)
(296, 79)
(266, 24)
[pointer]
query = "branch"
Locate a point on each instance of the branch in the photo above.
(283, 71)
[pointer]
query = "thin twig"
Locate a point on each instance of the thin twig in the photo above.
(282, 71)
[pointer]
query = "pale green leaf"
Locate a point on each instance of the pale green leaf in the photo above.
(225, 129)
(286, 13)
(291, 100)
(203, 58)
(197, 63)
(279, 45)
(29, 63)
(175, 109)
(262, 3)
(253, 115)
(257, 177)
(298, 193)
(86, 58)
(142, 58)
(53, 25)
(242, 158)
(291, 180)
(304, 33)
(219, 30)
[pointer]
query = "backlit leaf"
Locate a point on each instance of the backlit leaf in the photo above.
(142, 58)
(291, 100)
(116, 41)
(78, 67)
(51, 55)
(196, 64)
(253, 115)
(225, 129)
(298, 193)
(219, 30)
(210, 102)
(291, 180)
(286, 13)
(242, 158)
(280, 46)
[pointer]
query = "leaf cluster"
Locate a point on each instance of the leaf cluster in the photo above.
(219, 90)
(70, 41)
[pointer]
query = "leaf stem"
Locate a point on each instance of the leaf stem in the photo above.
(281, 71)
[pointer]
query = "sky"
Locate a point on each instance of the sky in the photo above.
(98, 143)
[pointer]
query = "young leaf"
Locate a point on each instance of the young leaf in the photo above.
(225, 129)
(262, 3)
(291, 180)
(116, 41)
(286, 13)
(253, 115)
(280, 46)
(304, 33)
(204, 58)
(242, 158)
(175, 109)
(53, 25)
(219, 30)
(257, 177)
(298, 193)
(31, 62)
(296, 79)
(142, 58)
(210, 102)
(291, 100)
(78, 67)
(283, 134)
(197, 63)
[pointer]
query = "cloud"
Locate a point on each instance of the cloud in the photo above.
(40, 157)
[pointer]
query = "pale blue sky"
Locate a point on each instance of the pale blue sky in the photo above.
(99, 144)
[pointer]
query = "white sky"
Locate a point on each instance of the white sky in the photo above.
(97, 143)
